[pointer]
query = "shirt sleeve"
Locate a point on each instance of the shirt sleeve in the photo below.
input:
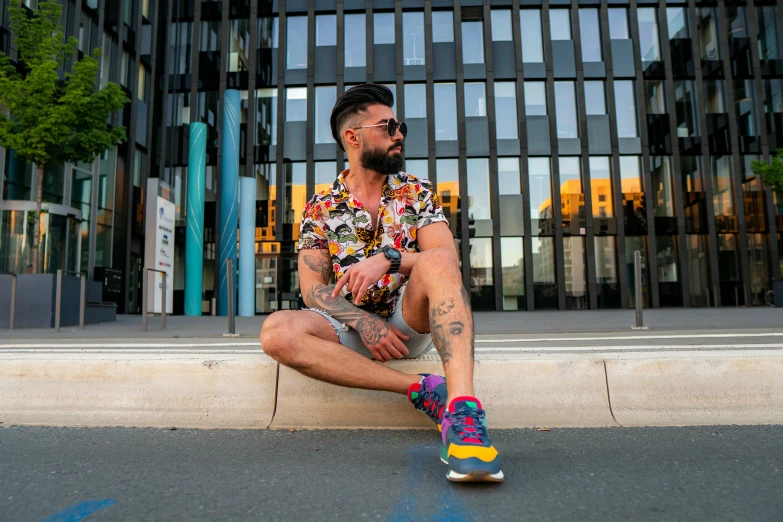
(311, 230)
(430, 209)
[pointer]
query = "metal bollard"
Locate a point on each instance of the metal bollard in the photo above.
(213, 303)
(164, 291)
(144, 284)
(82, 300)
(231, 319)
(58, 299)
(637, 270)
(12, 319)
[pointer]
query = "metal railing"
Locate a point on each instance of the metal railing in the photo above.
(58, 303)
(164, 291)
(12, 300)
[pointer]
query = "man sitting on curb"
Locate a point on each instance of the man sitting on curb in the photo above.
(399, 290)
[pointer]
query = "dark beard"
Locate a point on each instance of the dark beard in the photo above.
(381, 162)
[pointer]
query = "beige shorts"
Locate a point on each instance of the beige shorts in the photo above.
(417, 344)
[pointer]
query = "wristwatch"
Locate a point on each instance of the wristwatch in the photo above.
(394, 257)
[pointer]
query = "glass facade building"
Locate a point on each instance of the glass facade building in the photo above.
(562, 136)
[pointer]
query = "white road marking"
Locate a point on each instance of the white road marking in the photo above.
(629, 337)
(636, 347)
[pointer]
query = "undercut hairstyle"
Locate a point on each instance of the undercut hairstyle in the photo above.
(355, 101)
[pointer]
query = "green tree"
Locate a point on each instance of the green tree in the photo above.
(771, 173)
(50, 116)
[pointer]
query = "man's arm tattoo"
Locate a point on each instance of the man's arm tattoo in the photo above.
(320, 265)
(320, 297)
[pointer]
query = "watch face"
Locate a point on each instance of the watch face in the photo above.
(393, 254)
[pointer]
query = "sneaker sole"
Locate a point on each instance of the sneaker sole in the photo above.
(475, 476)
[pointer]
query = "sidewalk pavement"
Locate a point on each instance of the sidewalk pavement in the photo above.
(533, 369)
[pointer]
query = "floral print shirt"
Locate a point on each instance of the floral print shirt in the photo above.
(335, 220)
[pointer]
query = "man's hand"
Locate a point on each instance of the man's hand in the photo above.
(359, 277)
(383, 340)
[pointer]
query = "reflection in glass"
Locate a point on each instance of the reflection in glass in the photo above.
(745, 107)
(418, 168)
(324, 101)
(325, 30)
(448, 189)
(595, 98)
(677, 21)
(296, 43)
(606, 272)
(575, 276)
(686, 104)
(445, 112)
(18, 177)
(535, 98)
(355, 40)
(266, 117)
(544, 283)
(655, 96)
(601, 187)
(501, 25)
(296, 104)
(698, 270)
(560, 24)
(415, 100)
(648, 35)
(532, 37)
(590, 35)
(442, 26)
(572, 198)
(715, 95)
(768, 33)
(413, 38)
(759, 269)
(239, 45)
(542, 213)
(81, 198)
(508, 176)
(632, 244)
(773, 96)
(661, 175)
(618, 23)
(669, 290)
(295, 195)
(722, 186)
(383, 28)
(472, 42)
(267, 32)
(512, 260)
(482, 285)
(506, 110)
(708, 33)
(565, 110)
(475, 99)
(325, 175)
(625, 108)
(479, 204)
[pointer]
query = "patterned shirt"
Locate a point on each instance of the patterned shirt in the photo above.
(335, 220)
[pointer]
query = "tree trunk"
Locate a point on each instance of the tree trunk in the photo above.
(37, 222)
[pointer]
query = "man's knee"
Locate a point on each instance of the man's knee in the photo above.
(274, 334)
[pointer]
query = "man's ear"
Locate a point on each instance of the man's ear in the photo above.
(351, 138)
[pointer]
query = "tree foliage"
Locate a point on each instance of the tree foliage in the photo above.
(51, 110)
(771, 173)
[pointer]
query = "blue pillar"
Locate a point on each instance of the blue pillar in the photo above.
(194, 234)
(229, 197)
(247, 246)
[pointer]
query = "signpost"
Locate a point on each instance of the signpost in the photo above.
(159, 244)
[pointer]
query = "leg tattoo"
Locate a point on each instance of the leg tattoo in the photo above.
(446, 326)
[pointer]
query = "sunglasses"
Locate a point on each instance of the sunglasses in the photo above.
(391, 127)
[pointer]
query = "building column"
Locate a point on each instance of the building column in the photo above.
(194, 236)
(247, 242)
(229, 186)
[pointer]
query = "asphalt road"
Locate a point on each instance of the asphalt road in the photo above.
(704, 473)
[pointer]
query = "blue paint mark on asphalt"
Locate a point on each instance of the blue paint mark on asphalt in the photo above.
(452, 509)
(81, 510)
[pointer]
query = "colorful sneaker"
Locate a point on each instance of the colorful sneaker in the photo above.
(467, 450)
(430, 396)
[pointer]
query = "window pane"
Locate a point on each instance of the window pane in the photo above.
(448, 189)
(324, 101)
(506, 110)
(541, 208)
(544, 283)
(481, 280)
(590, 34)
(773, 96)
(532, 37)
(475, 99)
(560, 24)
(655, 97)
(267, 32)
(708, 33)
(393, 88)
(325, 175)
(479, 207)
(715, 93)
(722, 186)
(383, 28)
(595, 98)
(325, 30)
(618, 23)
(745, 107)
(535, 98)
(295, 195)
(677, 20)
(296, 104)
(769, 35)
(648, 35)
(625, 108)
(239, 45)
(661, 175)
(575, 280)
(413, 38)
(601, 187)
(266, 116)
(296, 43)
(512, 259)
(442, 26)
(686, 105)
(501, 25)
(418, 168)
(571, 196)
(355, 40)
(508, 176)
(445, 111)
(472, 42)
(565, 110)
(415, 100)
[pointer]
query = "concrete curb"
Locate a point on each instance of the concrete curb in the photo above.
(245, 390)
(122, 389)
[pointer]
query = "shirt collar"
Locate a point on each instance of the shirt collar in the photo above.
(340, 189)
